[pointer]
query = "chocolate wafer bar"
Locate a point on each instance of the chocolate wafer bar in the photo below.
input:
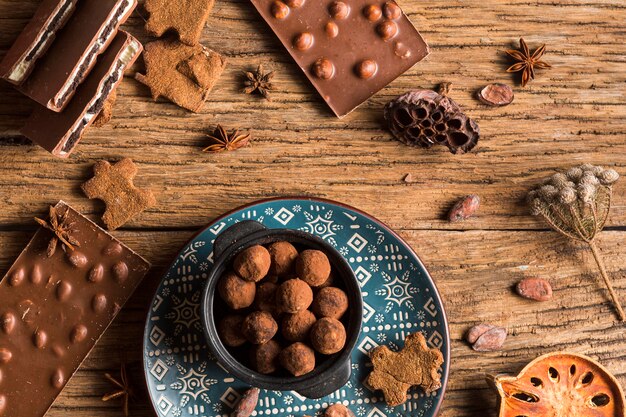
(73, 54)
(58, 298)
(35, 39)
(59, 133)
(349, 50)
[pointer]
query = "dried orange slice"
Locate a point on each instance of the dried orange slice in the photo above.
(560, 385)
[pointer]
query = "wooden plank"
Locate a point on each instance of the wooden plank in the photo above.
(475, 272)
(573, 113)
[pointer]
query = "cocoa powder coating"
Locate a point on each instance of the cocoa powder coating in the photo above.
(298, 359)
(229, 330)
(313, 267)
(265, 357)
(283, 257)
(330, 302)
(328, 336)
(294, 296)
(296, 327)
(259, 327)
(236, 292)
(253, 263)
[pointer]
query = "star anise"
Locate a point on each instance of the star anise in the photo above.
(59, 225)
(260, 81)
(527, 62)
(124, 391)
(223, 141)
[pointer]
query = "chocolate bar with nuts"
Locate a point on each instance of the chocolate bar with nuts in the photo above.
(59, 133)
(349, 50)
(58, 298)
(35, 39)
(88, 33)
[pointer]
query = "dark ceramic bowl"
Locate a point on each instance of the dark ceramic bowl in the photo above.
(331, 373)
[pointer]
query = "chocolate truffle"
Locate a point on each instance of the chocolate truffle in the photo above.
(236, 292)
(259, 327)
(313, 267)
(265, 357)
(298, 359)
(338, 410)
(283, 256)
(328, 336)
(252, 264)
(229, 330)
(296, 327)
(330, 302)
(293, 295)
(265, 299)
(328, 283)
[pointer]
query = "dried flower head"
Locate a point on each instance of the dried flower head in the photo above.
(576, 204)
(222, 141)
(260, 81)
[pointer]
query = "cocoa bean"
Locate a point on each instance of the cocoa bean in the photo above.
(486, 337)
(338, 410)
(496, 95)
(537, 289)
(247, 403)
(464, 208)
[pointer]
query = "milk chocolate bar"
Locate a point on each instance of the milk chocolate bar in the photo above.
(58, 298)
(59, 133)
(349, 50)
(35, 39)
(73, 54)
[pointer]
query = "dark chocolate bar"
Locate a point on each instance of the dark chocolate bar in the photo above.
(73, 54)
(56, 301)
(35, 39)
(349, 50)
(59, 133)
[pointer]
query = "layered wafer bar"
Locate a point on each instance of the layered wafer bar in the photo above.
(59, 133)
(58, 298)
(88, 33)
(35, 39)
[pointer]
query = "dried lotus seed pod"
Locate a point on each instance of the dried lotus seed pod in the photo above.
(424, 118)
(608, 177)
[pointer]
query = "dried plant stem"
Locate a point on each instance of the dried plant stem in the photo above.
(607, 280)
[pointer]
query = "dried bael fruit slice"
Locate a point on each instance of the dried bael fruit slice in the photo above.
(558, 385)
(424, 118)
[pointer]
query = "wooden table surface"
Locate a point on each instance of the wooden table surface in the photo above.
(572, 114)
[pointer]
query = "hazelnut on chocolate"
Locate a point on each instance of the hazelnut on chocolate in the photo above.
(259, 327)
(296, 327)
(330, 302)
(229, 330)
(391, 10)
(366, 69)
(295, 3)
(302, 42)
(372, 12)
(332, 30)
(283, 254)
(265, 299)
(253, 263)
(265, 357)
(387, 29)
(293, 295)
(338, 10)
(313, 267)
(236, 292)
(279, 9)
(298, 359)
(328, 336)
(323, 68)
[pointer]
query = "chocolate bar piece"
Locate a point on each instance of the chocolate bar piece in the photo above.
(73, 54)
(59, 133)
(35, 39)
(56, 301)
(349, 50)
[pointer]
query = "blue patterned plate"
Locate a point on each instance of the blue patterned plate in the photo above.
(399, 297)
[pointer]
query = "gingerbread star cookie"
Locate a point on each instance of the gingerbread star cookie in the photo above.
(113, 184)
(186, 17)
(181, 73)
(415, 365)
